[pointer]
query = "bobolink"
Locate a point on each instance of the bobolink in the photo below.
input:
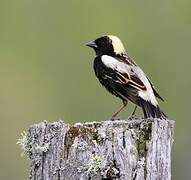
(122, 77)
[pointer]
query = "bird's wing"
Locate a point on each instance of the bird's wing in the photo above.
(128, 60)
(130, 79)
(125, 74)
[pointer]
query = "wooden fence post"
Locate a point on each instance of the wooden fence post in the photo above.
(136, 149)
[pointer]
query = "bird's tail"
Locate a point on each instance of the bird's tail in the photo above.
(151, 111)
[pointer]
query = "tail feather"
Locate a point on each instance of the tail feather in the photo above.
(151, 110)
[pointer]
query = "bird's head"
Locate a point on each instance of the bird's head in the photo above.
(107, 45)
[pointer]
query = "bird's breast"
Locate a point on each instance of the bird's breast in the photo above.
(101, 69)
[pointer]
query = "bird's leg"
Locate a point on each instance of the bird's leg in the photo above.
(119, 110)
(133, 113)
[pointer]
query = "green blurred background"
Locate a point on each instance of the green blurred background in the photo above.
(46, 71)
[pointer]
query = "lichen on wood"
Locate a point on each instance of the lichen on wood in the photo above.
(136, 149)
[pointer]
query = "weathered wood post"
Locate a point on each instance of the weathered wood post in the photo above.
(136, 149)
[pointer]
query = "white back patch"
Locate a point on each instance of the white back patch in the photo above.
(147, 95)
(117, 45)
(114, 64)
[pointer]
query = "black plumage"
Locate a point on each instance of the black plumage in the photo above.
(122, 77)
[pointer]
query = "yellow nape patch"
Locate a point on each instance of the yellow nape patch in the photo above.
(117, 45)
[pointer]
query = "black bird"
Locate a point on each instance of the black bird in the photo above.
(122, 77)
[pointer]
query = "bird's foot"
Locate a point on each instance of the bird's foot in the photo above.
(114, 118)
(131, 117)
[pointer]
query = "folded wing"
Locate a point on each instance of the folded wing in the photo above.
(130, 78)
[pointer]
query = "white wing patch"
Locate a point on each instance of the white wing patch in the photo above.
(116, 65)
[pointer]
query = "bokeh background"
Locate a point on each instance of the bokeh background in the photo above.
(46, 71)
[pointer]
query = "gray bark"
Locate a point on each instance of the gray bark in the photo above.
(137, 149)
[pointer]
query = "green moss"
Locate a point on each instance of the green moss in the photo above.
(95, 164)
(24, 143)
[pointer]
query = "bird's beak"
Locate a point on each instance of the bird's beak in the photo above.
(91, 44)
